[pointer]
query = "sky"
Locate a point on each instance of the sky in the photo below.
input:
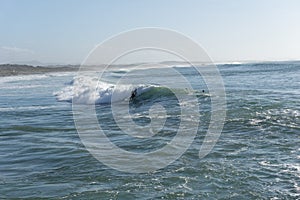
(65, 31)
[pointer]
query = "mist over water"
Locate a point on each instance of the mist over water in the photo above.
(256, 157)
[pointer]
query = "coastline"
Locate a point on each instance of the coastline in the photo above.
(26, 69)
(15, 69)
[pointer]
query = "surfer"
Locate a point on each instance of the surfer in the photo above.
(133, 94)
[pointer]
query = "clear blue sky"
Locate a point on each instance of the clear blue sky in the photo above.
(64, 31)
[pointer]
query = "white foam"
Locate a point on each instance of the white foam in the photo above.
(22, 78)
(87, 90)
(25, 108)
(61, 73)
(23, 86)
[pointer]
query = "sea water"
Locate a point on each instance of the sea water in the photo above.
(256, 157)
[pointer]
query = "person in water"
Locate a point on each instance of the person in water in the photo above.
(133, 94)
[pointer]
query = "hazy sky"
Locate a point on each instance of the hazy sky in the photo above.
(64, 31)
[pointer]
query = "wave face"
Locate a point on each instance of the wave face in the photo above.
(85, 90)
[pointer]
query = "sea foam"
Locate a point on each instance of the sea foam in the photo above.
(86, 90)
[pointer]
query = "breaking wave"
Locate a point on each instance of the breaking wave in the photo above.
(84, 90)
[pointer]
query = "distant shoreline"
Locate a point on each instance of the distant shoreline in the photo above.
(16, 70)
(23, 69)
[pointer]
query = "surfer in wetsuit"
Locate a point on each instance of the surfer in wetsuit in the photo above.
(133, 94)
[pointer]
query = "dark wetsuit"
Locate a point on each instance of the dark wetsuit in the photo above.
(133, 94)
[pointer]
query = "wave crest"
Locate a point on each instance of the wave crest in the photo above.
(84, 90)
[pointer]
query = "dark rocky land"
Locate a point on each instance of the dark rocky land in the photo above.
(14, 69)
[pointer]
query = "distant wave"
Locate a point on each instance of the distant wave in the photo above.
(283, 62)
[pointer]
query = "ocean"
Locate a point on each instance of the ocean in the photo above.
(256, 156)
